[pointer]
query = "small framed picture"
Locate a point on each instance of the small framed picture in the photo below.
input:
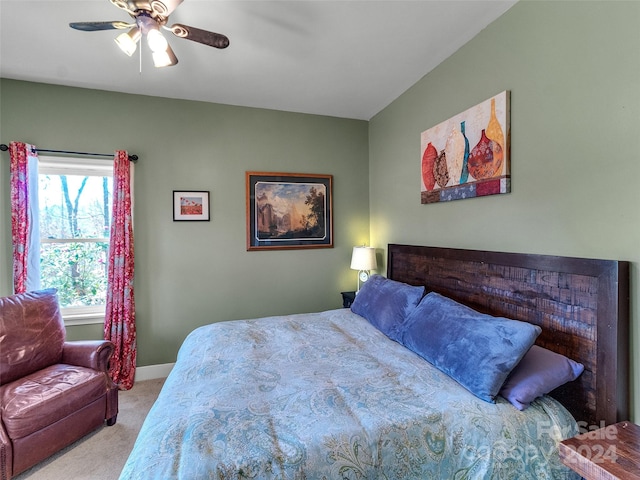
(190, 206)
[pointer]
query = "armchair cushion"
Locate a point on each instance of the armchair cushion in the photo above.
(32, 333)
(46, 396)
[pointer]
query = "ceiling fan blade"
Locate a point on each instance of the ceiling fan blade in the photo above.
(205, 37)
(164, 7)
(96, 26)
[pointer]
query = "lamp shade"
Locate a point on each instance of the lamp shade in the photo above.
(164, 58)
(156, 41)
(363, 258)
(128, 41)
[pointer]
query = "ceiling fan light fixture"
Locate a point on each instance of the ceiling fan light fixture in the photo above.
(164, 58)
(128, 41)
(150, 16)
(157, 42)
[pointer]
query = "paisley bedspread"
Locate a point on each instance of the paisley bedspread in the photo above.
(326, 396)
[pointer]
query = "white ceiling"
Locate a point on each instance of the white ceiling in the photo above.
(342, 58)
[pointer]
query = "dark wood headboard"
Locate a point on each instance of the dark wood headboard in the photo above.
(582, 306)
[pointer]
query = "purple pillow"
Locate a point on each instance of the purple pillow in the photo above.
(386, 304)
(475, 349)
(539, 372)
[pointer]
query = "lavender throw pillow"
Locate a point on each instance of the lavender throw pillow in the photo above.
(539, 372)
(386, 304)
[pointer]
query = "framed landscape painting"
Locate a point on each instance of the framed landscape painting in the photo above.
(468, 155)
(190, 206)
(288, 210)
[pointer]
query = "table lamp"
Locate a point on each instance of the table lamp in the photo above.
(363, 259)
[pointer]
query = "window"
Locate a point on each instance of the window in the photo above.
(75, 199)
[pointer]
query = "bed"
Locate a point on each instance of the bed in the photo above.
(328, 395)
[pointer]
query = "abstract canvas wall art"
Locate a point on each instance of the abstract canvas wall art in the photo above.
(468, 155)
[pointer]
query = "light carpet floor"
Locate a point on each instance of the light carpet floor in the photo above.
(102, 454)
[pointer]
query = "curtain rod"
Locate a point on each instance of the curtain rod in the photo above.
(132, 158)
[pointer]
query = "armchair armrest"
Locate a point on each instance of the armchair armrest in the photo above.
(93, 354)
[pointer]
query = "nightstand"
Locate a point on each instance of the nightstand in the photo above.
(609, 453)
(348, 298)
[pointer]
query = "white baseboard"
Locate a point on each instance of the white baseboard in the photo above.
(150, 372)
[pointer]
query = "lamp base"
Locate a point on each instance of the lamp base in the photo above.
(363, 276)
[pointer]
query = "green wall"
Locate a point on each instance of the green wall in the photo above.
(573, 69)
(189, 274)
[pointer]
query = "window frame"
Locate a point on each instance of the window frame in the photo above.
(83, 167)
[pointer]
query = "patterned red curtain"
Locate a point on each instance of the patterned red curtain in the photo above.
(24, 219)
(120, 324)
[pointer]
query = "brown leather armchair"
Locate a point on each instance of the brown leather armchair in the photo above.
(52, 392)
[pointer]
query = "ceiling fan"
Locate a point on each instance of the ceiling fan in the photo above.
(150, 16)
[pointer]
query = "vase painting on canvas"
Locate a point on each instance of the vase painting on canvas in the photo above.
(468, 155)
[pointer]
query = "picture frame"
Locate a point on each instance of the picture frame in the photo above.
(468, 155)
(191, 206)
(289, 211)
